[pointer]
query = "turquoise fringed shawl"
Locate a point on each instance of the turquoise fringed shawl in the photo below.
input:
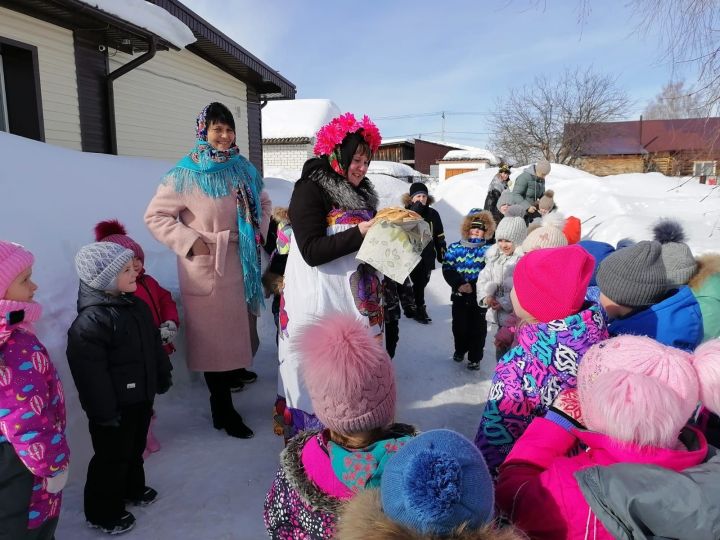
(218, 173)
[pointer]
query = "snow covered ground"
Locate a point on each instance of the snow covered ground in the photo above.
(212, 486)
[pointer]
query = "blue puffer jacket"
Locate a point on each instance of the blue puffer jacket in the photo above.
(676, 321)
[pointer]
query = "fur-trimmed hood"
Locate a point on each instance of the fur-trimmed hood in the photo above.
(291, 464)
(341, 193)
(485, 217)
(281, 214)
(292, 467)
(405, 199)
(362, 518)
(708, 265)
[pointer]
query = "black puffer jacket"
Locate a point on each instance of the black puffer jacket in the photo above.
(115, 354)
(435, 250)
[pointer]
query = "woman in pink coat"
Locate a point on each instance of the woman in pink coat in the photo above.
(211, 210)
(635, 396)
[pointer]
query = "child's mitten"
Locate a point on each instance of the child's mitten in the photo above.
(168, 330)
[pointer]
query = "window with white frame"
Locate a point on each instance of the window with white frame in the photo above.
(703, 168)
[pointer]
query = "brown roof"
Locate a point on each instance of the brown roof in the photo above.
(643, 136)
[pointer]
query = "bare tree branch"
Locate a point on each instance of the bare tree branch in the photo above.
(530, 123)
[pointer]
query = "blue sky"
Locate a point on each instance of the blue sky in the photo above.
(394, 58)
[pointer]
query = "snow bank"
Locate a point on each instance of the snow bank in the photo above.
(211, 485)
(474, 153)
(296, 117)
(148, 16)
(611, 207)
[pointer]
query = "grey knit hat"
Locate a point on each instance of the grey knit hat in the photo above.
(542, 168)
(679, 263)
(99, 264)
(634, 276)
(506, 197)
(512, 229)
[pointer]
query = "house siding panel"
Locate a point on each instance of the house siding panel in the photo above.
(156, 103)
(58, 83)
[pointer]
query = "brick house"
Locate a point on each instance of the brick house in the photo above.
(289, 129)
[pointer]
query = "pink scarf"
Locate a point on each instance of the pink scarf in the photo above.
(32, 310)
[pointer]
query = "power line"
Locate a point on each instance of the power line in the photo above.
(438, 113)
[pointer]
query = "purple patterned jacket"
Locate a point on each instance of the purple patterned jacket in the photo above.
(32, 416)
(529, 377)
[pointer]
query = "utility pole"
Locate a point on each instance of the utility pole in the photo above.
(442, 137)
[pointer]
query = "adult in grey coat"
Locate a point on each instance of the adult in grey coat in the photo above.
(530, 185)
(637, 502)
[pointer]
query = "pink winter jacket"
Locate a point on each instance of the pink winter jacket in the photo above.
(32, 415)
(536, 488)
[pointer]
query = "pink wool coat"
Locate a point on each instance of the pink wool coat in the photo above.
(537, 489)
(217, 323)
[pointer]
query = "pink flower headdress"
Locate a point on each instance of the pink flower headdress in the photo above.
(330, 137)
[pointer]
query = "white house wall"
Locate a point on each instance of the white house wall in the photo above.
(156, 103)
(289, 156)
(58, 81)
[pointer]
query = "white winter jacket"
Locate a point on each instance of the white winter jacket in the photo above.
(496, 280)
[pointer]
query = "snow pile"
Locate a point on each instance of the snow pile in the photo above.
(611, 207)
(389, 189)
(296, 117)
(148, 16)
(211, 485)
(471, 154)
(282, 172)
(398, 170)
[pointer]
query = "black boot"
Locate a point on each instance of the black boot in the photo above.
(225, 417)
(421, 315)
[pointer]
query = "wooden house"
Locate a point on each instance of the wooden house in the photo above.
(92, 80)
(683, 147)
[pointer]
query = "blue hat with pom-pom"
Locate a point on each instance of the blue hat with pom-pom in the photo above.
(437, 482)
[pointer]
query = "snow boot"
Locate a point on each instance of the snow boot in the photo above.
(474, 366)
(422, 316)
(457, 357)
(117, 526)
(149, 496)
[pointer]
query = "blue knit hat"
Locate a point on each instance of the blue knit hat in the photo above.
(598, 250)
(437, 482)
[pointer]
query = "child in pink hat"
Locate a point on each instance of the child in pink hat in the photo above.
(33, 450)
(351, 382)
(557, 328)
(159, 300)
(633, 400)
